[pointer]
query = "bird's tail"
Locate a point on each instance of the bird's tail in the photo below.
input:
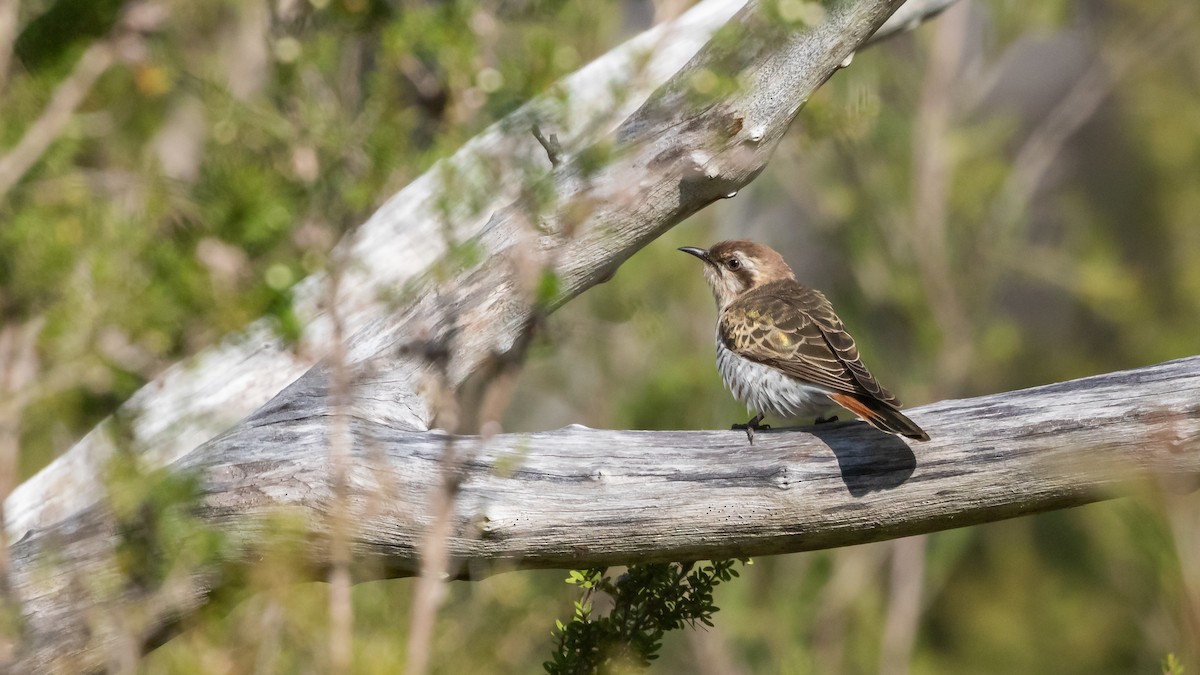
(880, 415)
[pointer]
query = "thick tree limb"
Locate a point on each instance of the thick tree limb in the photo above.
(580, 497)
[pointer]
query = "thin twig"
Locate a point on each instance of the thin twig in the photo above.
(431, 586)
(49, 126)
(8, 37)
(931, 246)
(341, 611)
(904, 604)
(434, 553)
(932, 168)
(18, 366)
(553, 148)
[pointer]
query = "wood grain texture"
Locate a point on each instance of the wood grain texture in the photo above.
(580, 497)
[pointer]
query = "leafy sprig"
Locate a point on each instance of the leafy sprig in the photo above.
(647, 601)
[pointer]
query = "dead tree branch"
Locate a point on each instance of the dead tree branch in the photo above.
(580, 497)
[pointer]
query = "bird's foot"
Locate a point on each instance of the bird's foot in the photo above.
(750, 427)
(825, 420)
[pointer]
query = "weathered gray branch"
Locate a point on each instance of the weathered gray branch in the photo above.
(577, 497)
(580, 497)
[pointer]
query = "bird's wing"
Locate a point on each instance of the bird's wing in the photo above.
(793, 328)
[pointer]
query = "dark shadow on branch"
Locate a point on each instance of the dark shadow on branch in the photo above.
(868, 458)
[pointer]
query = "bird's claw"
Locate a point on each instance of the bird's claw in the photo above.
(826, 420)
(750, 427)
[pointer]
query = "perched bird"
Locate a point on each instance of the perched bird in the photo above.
(782, 350)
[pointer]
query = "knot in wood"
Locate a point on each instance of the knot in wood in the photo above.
(783, 479)
(485, 526)
(734, 126)
(700, 160)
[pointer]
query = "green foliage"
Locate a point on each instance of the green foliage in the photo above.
(648, 600)
(156, 528)
(547, 289)
(64, 25)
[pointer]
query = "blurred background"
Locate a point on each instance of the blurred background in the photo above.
(1007, 196)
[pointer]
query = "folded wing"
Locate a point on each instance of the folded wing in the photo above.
(793, 328)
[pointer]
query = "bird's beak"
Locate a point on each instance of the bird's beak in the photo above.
(698, 252)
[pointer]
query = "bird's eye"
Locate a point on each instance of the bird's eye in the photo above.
(733, 263)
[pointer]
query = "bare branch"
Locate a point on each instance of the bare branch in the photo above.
(580, 497)
(341, 525)
(910, 15)
(47, 128)
(18, 366)
(553, 148)
(8, 37)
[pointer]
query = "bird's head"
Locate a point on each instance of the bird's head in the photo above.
(735, 267)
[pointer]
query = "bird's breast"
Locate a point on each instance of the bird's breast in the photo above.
(766, 390)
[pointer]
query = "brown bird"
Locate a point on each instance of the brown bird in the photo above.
(782, 350)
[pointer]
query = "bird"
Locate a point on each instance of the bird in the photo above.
(782, 350)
